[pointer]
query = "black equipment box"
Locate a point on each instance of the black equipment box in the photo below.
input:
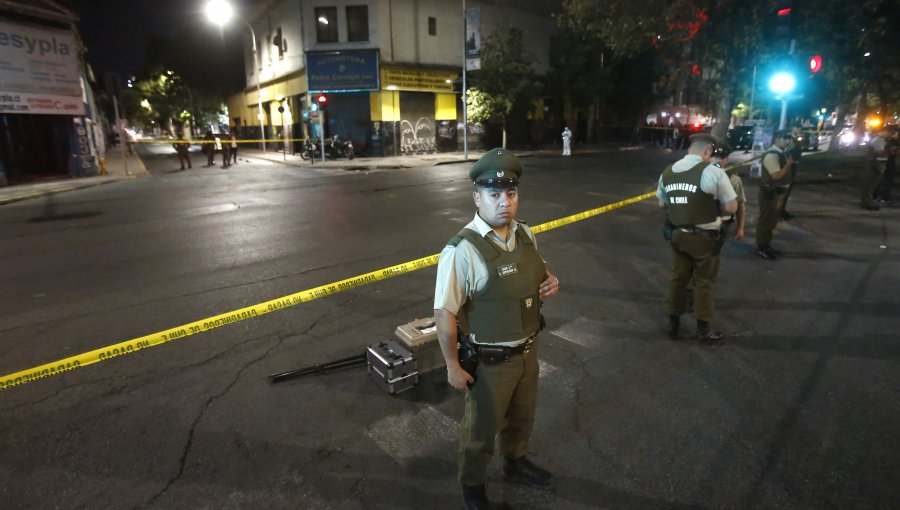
(392, 366)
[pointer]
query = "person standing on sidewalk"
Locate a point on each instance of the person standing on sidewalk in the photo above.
(775, 180)
(567, 141)
(234, 146)
(795, 149)
(490, 284)
(696, 193)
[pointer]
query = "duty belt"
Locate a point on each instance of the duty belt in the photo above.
(695, 230)
(522, 348)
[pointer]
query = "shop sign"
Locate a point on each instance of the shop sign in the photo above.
(342, 71)
(418, 79)
(39, 71)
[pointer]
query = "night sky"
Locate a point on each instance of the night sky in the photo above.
(116, 33)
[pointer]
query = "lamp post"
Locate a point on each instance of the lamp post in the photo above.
(782, 84)
(220, 12)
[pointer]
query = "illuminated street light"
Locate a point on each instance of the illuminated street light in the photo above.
(220, 12)
(782, 84)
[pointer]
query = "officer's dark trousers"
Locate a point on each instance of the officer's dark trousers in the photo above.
(694, 256)
(502, 400)
(871, 178)
(770, 206)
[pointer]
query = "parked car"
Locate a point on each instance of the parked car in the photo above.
(740, 137)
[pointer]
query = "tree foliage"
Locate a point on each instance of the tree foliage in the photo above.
(506, 82)
(713, 47)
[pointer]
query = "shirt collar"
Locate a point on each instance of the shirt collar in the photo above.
(484, 229)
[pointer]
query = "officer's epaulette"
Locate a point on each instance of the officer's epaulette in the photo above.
(454, 241)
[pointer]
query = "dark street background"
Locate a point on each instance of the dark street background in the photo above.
(796, 408)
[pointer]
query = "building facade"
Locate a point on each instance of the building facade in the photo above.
(389, 70)
(48, 127)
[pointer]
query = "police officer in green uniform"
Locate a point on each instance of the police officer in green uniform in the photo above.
(490, 284)
(696, 193)
(774, 183)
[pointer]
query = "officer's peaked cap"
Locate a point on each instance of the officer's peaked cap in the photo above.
(498, 168)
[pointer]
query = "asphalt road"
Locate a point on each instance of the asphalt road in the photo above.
(796, 408)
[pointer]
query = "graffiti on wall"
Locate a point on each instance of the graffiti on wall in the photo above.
(418, 138)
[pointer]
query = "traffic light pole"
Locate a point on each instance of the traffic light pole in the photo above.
(465, 105)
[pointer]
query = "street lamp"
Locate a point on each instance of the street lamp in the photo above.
(782, 84)
(220, 12)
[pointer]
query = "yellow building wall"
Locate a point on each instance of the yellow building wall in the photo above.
(384, 105)
(444, 106)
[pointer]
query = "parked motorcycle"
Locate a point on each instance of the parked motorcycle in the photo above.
(335, 147)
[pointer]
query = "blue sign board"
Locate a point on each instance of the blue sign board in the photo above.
(341, 71)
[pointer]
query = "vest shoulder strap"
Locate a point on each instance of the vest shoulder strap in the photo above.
(487, 250)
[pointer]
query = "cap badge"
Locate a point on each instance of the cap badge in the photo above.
(500, 173)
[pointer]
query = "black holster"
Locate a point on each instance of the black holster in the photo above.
(468, 357)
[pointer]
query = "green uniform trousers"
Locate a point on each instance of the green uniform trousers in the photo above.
(502, 400)
(770, 205)
(694, 256)
(870, 179)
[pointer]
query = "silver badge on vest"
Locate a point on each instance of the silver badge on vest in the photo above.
(507, 270)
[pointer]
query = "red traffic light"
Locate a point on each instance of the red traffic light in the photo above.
(815, 63)
(322, 99)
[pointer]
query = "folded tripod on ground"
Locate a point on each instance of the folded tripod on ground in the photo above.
(318, 368)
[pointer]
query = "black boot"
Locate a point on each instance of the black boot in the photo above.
(475, 497)
(704, 333)
(674, 324)
(523, 471)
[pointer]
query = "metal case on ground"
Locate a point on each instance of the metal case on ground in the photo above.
(392, 366)
(420, 337)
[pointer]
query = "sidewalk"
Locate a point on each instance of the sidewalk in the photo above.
(417, 160)
(117, 167)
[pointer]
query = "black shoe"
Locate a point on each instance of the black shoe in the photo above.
(674, 324)
(871, 207)
(525, 472)
(786, 216)
(765, 252)
(708, 335)
(775, 251)
(475, 497)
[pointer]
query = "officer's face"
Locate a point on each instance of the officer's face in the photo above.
(497, 206)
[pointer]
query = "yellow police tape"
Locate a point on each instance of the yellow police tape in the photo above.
(185, 330)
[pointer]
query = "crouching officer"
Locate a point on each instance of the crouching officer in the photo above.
(695, 193)
(490, 283)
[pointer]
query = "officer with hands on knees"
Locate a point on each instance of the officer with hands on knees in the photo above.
(491, 281)
(696, 193)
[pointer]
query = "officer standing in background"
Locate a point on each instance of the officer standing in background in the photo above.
(209, 147)
(877, 160)
(720, 159)
(795, 149)
(696, 193)
(490, 284)
(567, 141)
(184, 155)
(775, 180)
